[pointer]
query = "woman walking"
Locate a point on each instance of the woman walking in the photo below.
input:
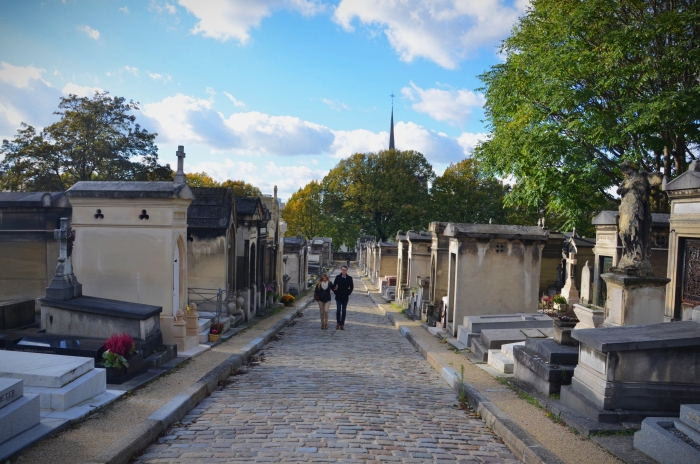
(322, 294)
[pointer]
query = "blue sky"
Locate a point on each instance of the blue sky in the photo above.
(273, 92)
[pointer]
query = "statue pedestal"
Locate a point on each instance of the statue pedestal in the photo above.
(634, 300)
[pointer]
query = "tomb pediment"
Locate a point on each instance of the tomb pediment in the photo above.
(492, 231)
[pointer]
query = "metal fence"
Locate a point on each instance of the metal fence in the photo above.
(209, 300)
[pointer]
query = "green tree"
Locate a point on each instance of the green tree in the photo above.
(381, 193)
(201, 179)
(465, 193)
(304, 212)
(242, 188)
(95, 139)
(586, 85)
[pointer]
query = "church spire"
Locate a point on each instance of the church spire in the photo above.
(391, 134)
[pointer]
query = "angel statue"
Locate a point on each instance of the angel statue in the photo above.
(635, 219)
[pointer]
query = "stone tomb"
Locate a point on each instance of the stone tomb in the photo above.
(494, 339)
(18, 412)
(16, 313)
(60, 381)
(29, 342)
(671, 440)
(473, 325)
(630, 373)
(545, 364)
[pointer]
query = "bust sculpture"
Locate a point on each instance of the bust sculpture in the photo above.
(635, 219)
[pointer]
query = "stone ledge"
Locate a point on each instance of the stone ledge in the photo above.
(106, 307)
(522, 444)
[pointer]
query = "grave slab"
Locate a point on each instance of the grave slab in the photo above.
(10, 390)
(535, 370)
(500, 362)
(43, 370)
(515, 321)
(655, 440)
(84, 387)
(67, 346)
(553, 353)
(465, 336)
(19, 416)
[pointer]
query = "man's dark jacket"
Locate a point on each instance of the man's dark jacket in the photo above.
(344, 287)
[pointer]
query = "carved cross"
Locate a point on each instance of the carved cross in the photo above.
(180, 177)
(570, 263)
(66, 235)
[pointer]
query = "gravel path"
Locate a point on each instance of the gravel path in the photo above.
(357, 395)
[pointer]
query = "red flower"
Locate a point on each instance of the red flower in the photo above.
(121, 344)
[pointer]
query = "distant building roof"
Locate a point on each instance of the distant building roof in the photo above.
(129, 189)
(610, 218)
(388, 244)
(33, 200)
(490, 231)
(211, 208)
(246, 206)
(414, 236)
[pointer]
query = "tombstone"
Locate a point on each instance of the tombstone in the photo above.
(18, 412)
(586, 284)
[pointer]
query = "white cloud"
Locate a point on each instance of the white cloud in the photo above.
(453, 106)
(134, 71)
(124, 10)
(237, 103)
(80, 90)
(443, 31)
(468, 140)
(159, 77)
(164, 7)
(21, 76)
(335, 105)
(92, 33)
(347, 143)
(210, 91)
(233, 19)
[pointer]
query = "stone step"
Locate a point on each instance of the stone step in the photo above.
(690, 415)
(203, 324)
(552, 352)
(691, 432)
(456, 344)
(204, 336)
(22, 414)
(84, 387)
(43, 370)
(507, 349)
(465, 336)
(436, 330)
(532, 369)
(500, 362)
(479, 351)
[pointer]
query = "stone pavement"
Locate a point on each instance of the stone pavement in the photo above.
(357, 395)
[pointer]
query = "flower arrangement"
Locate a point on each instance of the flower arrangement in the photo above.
(288, 300)
(268, 291)
(558, 299)
(216, 328)
(117, 347)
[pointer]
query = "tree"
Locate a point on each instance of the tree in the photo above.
(304, 212)
(380, 193)
(95, 139)
(465, 193)
(201, 179)
(242, 188)
(586, 85)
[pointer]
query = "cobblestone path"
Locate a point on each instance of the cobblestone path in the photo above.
(357, 395)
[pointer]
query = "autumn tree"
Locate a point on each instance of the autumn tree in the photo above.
(584, 86)
(201, 179)
(95, 139)
(304, 211)
(242, 188)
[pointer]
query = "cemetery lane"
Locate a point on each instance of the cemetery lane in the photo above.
(362, 394)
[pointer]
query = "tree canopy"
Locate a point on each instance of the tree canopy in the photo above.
(304, 211)
(465, 193)
(95, 139)
(201, 179)
(240, 188)
(586, 85)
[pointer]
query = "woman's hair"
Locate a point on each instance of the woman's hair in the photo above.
(318, 285)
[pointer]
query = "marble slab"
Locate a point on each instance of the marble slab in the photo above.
(507, 321)
(43, 370)
(19, 416)
(640, 337)
(85, 387)
(10, 390)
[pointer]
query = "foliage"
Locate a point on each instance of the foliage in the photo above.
(95, 139)
(558, 299)
(117, 361)
(303, 211)
(120, 344)
(242, 188)
(216, 328)
(201, 179)
(586, 85)
(380, 193)
(465, 193)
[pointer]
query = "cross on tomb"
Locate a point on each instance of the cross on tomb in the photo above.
(66, 235)
(180, 177)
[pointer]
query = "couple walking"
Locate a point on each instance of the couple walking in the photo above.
(342, 287)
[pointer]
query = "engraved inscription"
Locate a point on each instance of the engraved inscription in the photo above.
(7, 396)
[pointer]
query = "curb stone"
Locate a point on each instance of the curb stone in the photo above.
(145, 432)
(524, 446)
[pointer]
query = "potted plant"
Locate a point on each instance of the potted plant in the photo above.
(215, 331)
(559, 303)
(275, 297)
(288, 300)
(121, 358)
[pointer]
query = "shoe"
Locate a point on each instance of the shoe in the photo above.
(337, 326)
(342, 327)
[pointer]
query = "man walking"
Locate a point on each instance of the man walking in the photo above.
(342, 287)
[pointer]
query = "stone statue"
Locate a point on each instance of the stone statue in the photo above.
(635, 219)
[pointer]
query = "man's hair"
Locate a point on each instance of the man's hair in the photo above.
(341, 267)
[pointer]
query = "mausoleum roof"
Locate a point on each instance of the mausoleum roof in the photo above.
(388, 244)
(129, 189)
(490, 231)
(687, 181)
(211, 208)
(610, 218)
(413, 236)
(33, 200)
(247, 206)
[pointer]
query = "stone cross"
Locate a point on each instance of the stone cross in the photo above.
(64, 285)
(586, 284)
(180, 177)
(569, 291)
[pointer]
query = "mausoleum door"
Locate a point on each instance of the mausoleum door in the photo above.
(176, 280)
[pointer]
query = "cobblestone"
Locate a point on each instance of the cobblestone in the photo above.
(358, 395)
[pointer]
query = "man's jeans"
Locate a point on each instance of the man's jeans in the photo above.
(340, 313)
